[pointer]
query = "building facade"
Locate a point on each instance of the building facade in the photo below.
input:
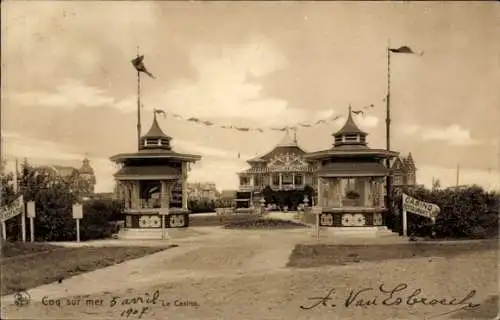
(283, 170)
(202, 190)
(350, 174)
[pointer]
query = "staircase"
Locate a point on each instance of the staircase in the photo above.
(141, 234)
(370, 232)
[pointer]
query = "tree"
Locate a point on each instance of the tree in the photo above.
(7, 190)
(54, 197)
(436, 184)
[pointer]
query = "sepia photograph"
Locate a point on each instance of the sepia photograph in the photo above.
(250, 160)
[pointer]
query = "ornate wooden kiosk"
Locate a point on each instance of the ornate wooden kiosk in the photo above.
(351, 179)
(152, 182)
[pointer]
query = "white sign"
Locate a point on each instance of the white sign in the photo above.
(12, 210)
(424, 209)
(77, 211)
(316, 210)
(31, 209)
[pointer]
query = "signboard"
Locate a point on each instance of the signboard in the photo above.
(12, 210)
(31, 209)
(421, 208)
(77, 211)
(316, 210)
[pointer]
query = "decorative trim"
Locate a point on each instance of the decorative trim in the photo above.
(326, 220)
(353, 220)
(377, 219)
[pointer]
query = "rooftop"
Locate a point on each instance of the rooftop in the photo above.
(349, 127)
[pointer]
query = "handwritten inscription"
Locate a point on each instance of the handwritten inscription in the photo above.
(136, 306)
(391, 296)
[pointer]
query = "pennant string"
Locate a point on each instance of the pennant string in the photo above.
(261, 130)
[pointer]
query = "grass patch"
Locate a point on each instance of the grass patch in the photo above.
(26, 271)
(308, 256)
(265, 224)
(14, 249)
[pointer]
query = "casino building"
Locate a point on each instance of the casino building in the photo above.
(347, 180)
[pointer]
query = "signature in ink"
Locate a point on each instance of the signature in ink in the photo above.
(391, 296)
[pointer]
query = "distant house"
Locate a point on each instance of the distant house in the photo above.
(202, 190)
(83, 178)
(404, 171)
(106, 196)
(228, 194)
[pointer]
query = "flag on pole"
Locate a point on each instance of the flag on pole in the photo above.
(404, 49)
(160, 111)
(138, 64)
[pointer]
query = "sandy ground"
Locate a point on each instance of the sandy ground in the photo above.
(228, 274)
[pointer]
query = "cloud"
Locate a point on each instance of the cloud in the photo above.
(226, 87)
(19, 146)
(71, 94)
(453, 134)
(192, 147)
(226, 83)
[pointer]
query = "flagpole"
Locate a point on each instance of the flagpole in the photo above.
(138, 105)
(388, 128)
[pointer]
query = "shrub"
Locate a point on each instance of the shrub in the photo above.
(465, 213)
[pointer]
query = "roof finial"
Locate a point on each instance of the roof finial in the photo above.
(350, 108)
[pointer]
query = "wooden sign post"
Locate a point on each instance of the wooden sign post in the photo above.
(31, 214)
(421, 208)
(77, 215)
(10, 211)
(317, 212)
(23, 219)
(163, 212)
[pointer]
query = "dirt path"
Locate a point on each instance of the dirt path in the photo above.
(237, 276)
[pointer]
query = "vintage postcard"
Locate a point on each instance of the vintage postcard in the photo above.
(250, 160)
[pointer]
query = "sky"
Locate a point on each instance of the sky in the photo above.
(69, 89)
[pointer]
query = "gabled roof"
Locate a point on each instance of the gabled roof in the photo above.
(398, 164)
(404, 163)
(409, 161)
(286, 145)
(288, 141)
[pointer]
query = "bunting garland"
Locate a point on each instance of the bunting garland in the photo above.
(248, 129)
(261, 130)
